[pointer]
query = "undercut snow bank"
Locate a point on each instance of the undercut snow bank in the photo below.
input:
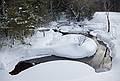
(55, 71)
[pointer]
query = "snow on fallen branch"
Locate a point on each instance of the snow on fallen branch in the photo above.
(86, 33)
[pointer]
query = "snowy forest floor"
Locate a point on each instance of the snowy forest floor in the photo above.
(67, 70)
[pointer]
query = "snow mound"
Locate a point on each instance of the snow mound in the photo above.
(74, 46)
(55, 71)
(71, 46)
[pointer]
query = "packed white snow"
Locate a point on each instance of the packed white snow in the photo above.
(4, 75)
(55, 71)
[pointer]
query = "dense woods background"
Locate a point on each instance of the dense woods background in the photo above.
(19, 18)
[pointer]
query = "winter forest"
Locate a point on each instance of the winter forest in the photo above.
(59, 40)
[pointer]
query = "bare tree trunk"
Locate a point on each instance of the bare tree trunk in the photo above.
(107, 6)
(108, 22)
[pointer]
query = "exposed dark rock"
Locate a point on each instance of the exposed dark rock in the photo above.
(23, 65)
(20, 67)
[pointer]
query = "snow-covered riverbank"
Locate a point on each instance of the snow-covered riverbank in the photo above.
(68, 70)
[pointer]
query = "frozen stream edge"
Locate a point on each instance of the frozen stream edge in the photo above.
(101, 61)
